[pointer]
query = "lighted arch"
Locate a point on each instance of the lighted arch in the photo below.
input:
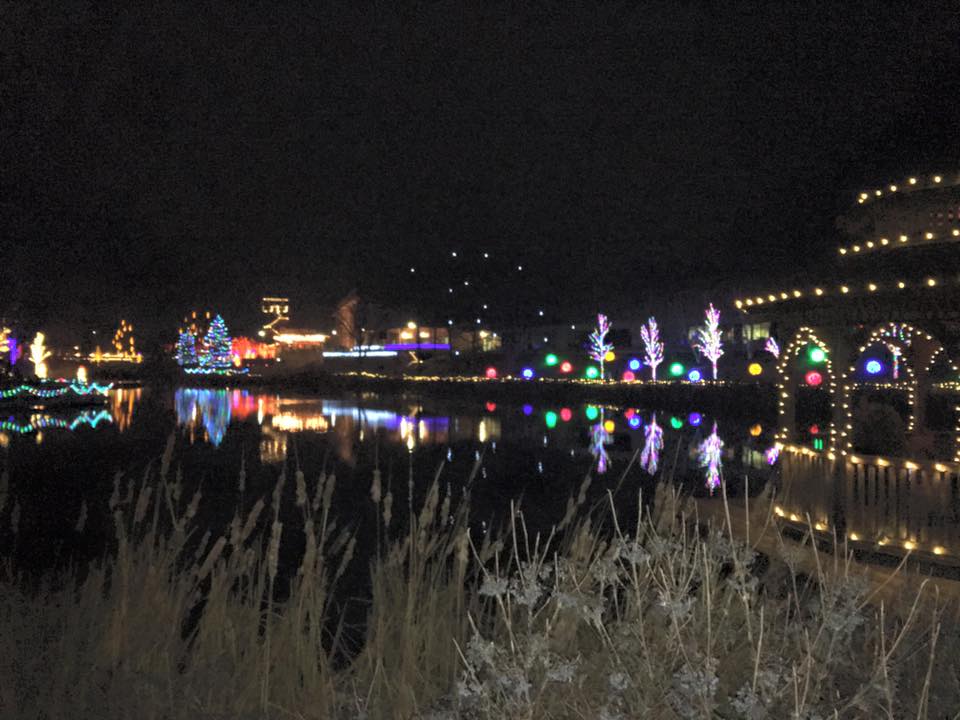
(787, 382)
(902, 339)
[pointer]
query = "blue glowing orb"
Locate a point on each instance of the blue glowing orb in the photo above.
(634, 422)
(634, 364)
(694, 419)
(874, 367)
(694, 375)
(527, 373)
(528, 409)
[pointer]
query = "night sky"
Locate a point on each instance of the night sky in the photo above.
(156, 160)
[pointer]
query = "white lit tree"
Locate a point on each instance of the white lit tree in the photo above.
(599, 347)
(652, 346)
(710, 343)
(39, 355)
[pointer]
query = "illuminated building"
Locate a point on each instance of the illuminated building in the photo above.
(244, 348)
(883, 314)
(299, 339)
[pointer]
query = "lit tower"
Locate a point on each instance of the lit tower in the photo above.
(276, 310)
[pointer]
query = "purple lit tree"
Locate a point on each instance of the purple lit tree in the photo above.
(652, 346)
(599, 347)
(772, 347)
(710, 343)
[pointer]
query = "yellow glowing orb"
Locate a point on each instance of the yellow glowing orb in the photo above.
(609, 425)
(755, 369)
(609, 357)
(756, 429)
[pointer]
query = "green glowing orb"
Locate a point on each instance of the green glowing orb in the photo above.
(676, 369)
(551, 360)
(592, 412)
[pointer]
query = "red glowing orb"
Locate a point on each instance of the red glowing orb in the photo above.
(491, 373)
(629, 413)
(566, 414)
(813, 378)
(491, 406)
(566, 367)
(814, 429)
(628, 376)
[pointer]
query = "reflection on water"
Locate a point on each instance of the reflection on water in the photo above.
(599, 439)
(711, 460)
(209, 409)
(123, 401)
(39, 421)
(891, 503)
(652, 445)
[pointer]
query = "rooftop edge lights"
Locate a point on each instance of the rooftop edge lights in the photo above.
(405, 347)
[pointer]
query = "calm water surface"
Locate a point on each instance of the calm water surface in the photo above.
(62, 466)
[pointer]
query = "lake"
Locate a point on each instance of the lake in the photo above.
(62, 468)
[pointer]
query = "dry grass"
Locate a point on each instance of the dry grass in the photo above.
(668, 618)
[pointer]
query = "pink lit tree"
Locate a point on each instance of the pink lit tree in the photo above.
(652, 346)
(599, 347)
(710, 343)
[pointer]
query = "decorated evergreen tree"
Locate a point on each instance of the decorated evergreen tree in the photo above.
(186, 349)
(219, 345)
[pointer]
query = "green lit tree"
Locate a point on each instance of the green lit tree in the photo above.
(219, 345)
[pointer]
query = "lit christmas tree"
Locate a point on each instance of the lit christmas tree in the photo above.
(186, 349)
(219, 353)
(710, 343)
(652, 346)
(599, 347)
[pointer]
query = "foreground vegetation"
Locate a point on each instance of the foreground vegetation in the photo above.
(667, 618)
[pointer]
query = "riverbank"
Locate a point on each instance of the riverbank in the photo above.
(669, 616)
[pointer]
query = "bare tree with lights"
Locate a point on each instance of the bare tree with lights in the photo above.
(710, 343)
(652, 346)
(599, 347)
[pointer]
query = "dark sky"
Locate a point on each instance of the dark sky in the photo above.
(201, 154)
